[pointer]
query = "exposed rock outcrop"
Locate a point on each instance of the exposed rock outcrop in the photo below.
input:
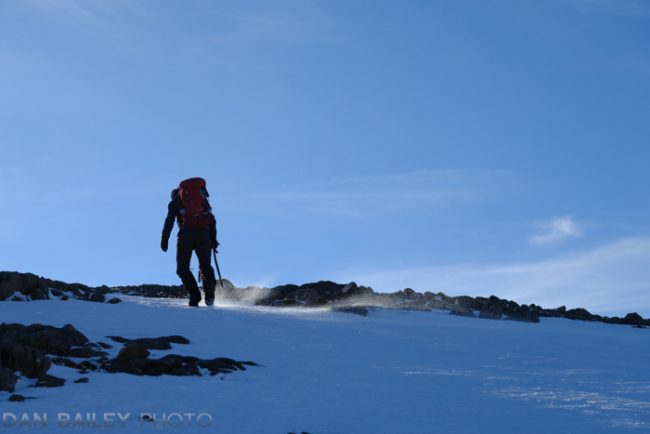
(18, 398)
(161, 343)
(29, 361)
(7, 379)
(30, 351)
(138, 363)
(16, 286)
(348, 297)
(49, 381)
(134, 359)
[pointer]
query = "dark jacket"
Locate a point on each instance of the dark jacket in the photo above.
(174, 213)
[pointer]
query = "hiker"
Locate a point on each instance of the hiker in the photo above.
(197, 232)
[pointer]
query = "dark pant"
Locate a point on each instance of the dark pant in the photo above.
(199, 242)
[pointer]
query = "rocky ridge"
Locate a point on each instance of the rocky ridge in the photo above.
(15, 286)
(348, 297)
(360, 300)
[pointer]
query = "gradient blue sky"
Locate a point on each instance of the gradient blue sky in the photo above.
(474, 147)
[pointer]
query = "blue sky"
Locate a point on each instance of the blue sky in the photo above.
(471, 147)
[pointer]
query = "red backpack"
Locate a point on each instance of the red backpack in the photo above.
(196, 212)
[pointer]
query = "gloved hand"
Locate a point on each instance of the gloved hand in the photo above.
(215, 244)
(164, 245)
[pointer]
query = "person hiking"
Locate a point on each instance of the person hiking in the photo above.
(197, 232)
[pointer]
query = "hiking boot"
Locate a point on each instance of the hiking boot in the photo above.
(194, 302)
(209, 297)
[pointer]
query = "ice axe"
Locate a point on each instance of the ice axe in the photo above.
(216, 264)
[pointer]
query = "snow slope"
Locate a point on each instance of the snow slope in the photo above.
(325, 372)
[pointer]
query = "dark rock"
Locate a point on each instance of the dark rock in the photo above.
(633, 319)
(133, 350)
(553, 313)
(510, 307)
(64, 361)
(175, 339)
(409, 293)
(461, 310)
(578, 314)
(524, 314)
(157, 291)
(48, 339)
(28, 284)
(357, 310)
(7, 379)
(353, 290)
(85, 353)
(429, 299)
(464, 303)
(223, 365)
(613, 320)
(97, 297)
(82, 380)
(311, 294)
(349, 289)
(134, 359)
(84, 366)
(5, 293)
(76, 288)
(312, 298)
(173, 364)
(28, 360)
(49, 381)
(18, 398)
(90, 366)
(38, 294)
(494, 308)
(161, 343)
(277, 293)
(38, 288)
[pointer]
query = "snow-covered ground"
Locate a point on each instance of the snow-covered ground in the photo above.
(324, 372)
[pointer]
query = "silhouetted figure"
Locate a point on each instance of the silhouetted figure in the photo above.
(197, 232)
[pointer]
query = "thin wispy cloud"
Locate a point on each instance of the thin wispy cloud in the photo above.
(614, 277)
(555, 230)
(398, 191)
